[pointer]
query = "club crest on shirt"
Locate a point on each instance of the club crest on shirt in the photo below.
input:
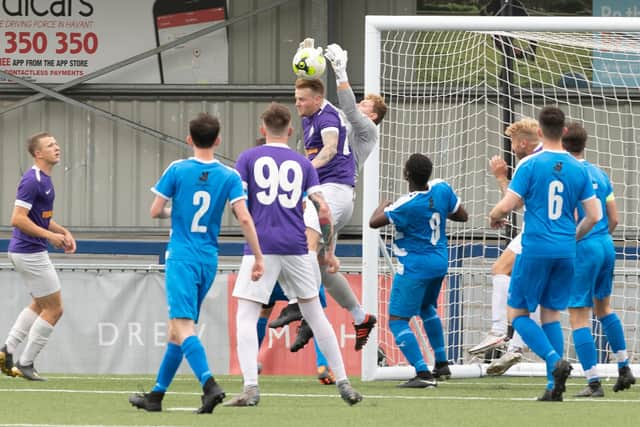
(558, 167)
(204, 176)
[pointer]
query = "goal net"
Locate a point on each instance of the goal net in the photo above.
(453, 84)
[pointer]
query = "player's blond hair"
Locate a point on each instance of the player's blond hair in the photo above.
(33, 143)
(524, 128)
(379, 106)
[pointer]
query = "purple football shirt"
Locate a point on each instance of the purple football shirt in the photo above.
(276, 178)
(36, 193)
(342, 168)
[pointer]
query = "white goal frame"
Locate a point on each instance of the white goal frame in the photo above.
(374, 25)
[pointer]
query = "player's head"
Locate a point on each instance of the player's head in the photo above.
(417, 170)
(44, 147)
(204, 131)
(551, 121)
(373, 106)
(309, 96)
(524, 136)
(276, 122)
(575, 139)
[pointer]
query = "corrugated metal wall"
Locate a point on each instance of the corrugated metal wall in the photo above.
(107, 168)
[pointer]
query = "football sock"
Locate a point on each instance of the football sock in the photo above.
(195, 355)
(338, 287)
(586, 351)
(538, 342)
(612, 328)
(323, 296)
(320, 359)
(553, 331)
(38, 338)
(499, 293)
(433, 328)
(262, 329)
(247, 347)
(407, 343)
(168, 368)
(20, 329)
(324, 335)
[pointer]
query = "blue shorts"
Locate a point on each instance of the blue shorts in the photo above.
(187, 285)
(540, 281)
(278, 295)
(593, 278)
(411, 295)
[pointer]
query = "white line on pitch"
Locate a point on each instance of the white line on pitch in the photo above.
(324, 396)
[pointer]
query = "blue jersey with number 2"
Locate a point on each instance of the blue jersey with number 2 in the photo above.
(552, 184)
(199, 192)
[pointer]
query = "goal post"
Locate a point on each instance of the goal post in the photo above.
(453, 84)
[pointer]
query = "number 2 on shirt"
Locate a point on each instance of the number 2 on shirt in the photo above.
(202, 199)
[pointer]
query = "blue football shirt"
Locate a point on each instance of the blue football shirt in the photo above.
(199, 192)
(604, 191)
(552, 185)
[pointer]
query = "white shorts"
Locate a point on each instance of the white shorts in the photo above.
(299, 277)
(516, 244)
(311, 219)
(339, 197)
(37, 271)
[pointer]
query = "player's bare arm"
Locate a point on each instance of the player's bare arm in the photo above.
(70, 241)
(593, 214)
(460, 215)
(249, 231)
(329, 149)
(499, 169)
(378, 218)
(497, 216)
(20, 220)
(326, 226)
(159, 208)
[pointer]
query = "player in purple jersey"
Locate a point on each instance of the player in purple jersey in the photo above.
(33, 226)
(275, 178)
(327, 146)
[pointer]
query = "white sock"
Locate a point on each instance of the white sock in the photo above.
(358, 314)
(247, 336)
(324, 336)
(38, 338)
(499, 303)
(20, 329)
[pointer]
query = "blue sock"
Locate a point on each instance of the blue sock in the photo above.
(168, 368)
(553, 331)
(612, 327)
(586, 351)
(433, 328)
(406, 341)
(262, 329)
(320, 359)
(537, 340)
(195, 355)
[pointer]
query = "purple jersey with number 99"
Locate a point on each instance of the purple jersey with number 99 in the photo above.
(275, 178)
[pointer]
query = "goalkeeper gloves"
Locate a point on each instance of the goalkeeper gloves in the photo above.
(338, 59)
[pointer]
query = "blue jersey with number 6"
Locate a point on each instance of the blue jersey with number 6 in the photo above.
(420, 221)
(276, 177)
(552, 184)
(199, 192)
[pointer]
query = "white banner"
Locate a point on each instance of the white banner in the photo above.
(115, 323)
(54, 41)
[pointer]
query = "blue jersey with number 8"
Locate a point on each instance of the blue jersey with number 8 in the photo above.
(420, 221)
(552, 184)
(199, 192)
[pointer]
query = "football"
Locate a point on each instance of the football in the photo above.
(309, 63)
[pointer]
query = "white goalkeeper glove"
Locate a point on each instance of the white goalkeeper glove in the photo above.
(338, 59)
